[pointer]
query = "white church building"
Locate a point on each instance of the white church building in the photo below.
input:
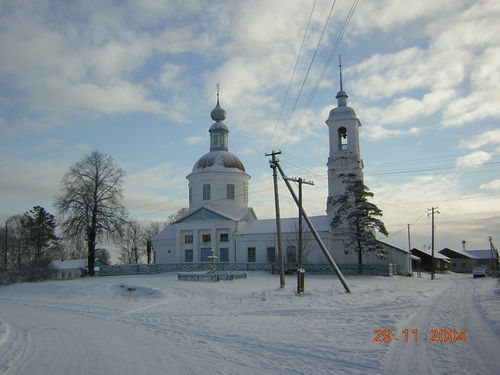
(219, 217)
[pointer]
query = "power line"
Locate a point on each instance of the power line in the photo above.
(309, 67)
(325, 68)
(293, 73)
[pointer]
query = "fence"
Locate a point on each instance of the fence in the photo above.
(141, 269)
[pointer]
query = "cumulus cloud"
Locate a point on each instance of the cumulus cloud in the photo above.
(457, 72)
(475, 159)
(485, 138)
(492, 185)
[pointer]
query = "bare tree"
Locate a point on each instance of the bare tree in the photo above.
(172, 218)
(150, 231)
(104, 255)
(132, 243)
(90, 202)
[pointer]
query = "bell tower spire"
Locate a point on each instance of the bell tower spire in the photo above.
(345, 156)
(218, 131)
(341, 95)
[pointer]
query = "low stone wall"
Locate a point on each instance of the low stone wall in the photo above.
(141, 269)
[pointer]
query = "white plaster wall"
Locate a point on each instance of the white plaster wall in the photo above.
(218, 190)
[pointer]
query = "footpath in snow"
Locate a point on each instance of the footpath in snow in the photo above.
(158, 325)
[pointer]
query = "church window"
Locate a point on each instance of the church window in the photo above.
(206, 192)
(188, 238)
(230, 191)
(224, 237)
(245, 192)
(251, 255)
(291, 254)
(343, 138)
(188, 255)
(205, 238)
(223, 254)
(190, 194)
(271, 255)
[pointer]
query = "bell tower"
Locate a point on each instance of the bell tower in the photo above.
(344, 157)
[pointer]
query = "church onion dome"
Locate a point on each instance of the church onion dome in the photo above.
(218, 161)
(218, 113)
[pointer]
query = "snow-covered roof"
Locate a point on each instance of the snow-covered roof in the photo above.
(166, 234)
(437, 255)
(288, 225)
(481, 254)
(69, 264)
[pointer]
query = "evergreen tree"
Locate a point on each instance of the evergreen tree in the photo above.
(360, 217)
(40, 241)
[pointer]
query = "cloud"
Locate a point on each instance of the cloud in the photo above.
(483, 139)
(456, 77)
(196, 140)
(492, 185)
(29, 183)
(475, 159)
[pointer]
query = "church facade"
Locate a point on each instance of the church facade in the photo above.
(220, 218)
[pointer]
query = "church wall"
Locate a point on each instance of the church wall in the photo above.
(218, 182)
(165, 251)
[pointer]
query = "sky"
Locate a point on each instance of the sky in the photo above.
(137, 80)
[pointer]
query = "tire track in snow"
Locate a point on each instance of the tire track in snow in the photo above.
(456, 307)
(14, 345)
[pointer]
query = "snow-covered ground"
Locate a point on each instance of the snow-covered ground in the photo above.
(158, 325)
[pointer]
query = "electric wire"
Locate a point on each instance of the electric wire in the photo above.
(309, 68)
(293, 74)
(323, 72)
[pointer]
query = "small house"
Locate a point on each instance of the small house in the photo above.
(73, 268)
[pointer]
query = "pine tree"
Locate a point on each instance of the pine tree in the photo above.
(360, 216)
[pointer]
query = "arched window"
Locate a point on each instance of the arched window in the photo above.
(342, 138)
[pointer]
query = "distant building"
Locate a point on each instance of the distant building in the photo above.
(466, 260)
(219, 216)
(73, 268)
(441, 262)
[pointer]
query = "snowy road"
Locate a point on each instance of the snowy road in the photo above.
(460, 305)
(94, 326)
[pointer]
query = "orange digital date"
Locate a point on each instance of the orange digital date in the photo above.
(434, 335)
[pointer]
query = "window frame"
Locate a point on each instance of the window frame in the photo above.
(251, 255)
(206, 192)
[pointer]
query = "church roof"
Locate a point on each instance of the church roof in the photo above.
(288, 225)
(218, 161)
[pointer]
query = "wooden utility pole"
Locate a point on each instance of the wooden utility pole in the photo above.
(273, 162)
(300, 265)
(409, 242)
(5, 249)
(433, 211)
(315, 234)
(300, 181)
(494, 254)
